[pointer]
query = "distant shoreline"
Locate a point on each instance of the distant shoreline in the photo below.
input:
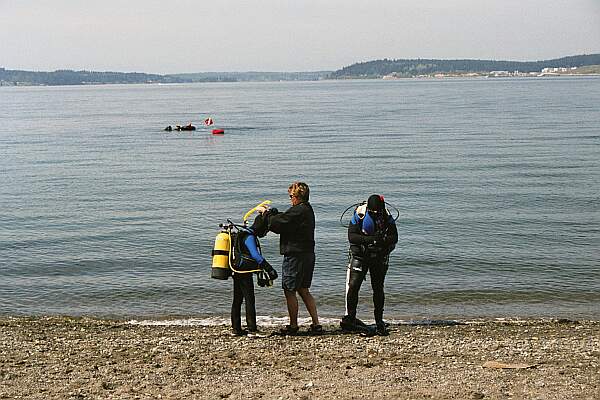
(438, 77)
(377, 69)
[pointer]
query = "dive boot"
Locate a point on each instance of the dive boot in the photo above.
(353, 324)
(254, 333)
(381, 329)
(359, 323)
(239, 332)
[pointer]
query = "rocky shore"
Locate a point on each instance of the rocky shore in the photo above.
(80, 358)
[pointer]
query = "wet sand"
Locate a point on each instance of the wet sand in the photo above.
(80, 358)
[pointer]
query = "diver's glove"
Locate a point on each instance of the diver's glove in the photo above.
(375, 244)
(372, 240)
(263, 279)
(266, 267)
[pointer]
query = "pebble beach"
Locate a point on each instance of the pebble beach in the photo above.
(82, 358)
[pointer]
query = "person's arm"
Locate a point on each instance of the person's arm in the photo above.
(286, 221)
(391, 235)
(355, 234)
(250, 243)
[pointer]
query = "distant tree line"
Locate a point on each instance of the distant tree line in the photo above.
(69, 77)
(369, 69)
(252, 76)
(415, 67)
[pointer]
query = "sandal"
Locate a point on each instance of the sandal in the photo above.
(315, 330)
(289, 330)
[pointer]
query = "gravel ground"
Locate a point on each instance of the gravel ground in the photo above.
(80, 358)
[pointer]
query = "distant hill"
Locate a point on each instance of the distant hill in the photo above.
(370, 69)
(69, 77)
(416, 67)
(252, 76)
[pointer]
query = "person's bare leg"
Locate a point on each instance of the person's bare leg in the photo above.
(292, 306)
(311, 305)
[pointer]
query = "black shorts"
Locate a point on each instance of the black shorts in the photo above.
(297, 271)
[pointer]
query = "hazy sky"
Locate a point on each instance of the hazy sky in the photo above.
(171, 36)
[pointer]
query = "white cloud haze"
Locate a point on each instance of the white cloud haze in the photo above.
(286, 35)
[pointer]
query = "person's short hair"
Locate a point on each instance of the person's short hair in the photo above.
(299, 190)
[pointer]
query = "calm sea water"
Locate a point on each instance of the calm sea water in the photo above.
(497, 182)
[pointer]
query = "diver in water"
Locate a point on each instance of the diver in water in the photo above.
(372, 235)
(247, 258)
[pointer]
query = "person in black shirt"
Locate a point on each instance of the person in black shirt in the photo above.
(296, 228)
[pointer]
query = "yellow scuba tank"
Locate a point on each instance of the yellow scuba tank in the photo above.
(220, 266)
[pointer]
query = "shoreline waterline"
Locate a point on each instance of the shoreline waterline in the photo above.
(276, 321)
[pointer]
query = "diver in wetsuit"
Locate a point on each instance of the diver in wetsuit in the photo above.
(372, 235)
(247, 259)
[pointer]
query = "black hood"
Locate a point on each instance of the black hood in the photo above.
(259, 227)
(375, 203)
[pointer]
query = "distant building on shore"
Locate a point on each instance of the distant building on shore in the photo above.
(557, 71)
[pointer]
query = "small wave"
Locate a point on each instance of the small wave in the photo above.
(263, 321)
(267, 321)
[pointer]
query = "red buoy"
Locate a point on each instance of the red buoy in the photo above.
(218, 131)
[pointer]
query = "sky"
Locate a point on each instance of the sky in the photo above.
(178, 36)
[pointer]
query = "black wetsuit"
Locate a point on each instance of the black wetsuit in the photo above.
(369, 252)
(243, 282)
(243, 292)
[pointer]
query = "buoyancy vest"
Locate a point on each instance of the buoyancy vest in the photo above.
(241, 261)
(370, 226)
(367, 224)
